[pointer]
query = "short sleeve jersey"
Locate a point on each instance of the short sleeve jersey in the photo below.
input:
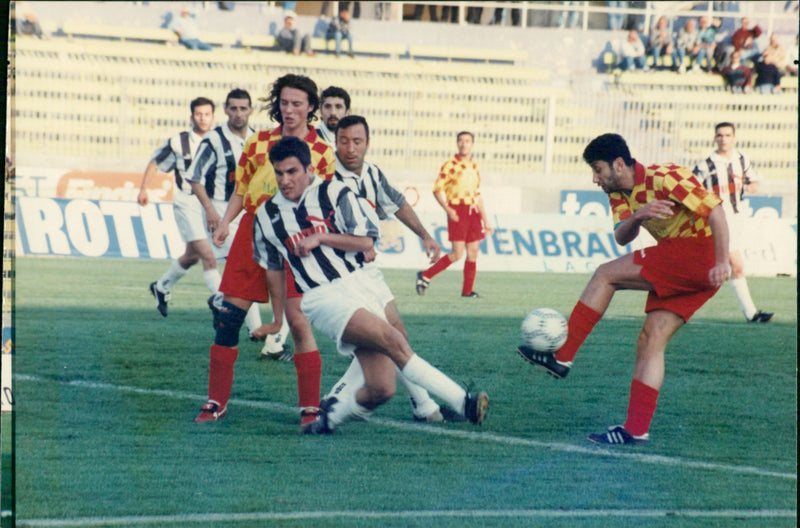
(372, 186)
(667, 182)
(215, 164)
(255, 177)
(171, 157)
(726, 176)
(459, 179)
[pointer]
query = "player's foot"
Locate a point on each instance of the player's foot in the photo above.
(320, 425)
(762, 317)
(161, 298)
(210, 412)
(308, 415)
(274, 348)
(444, 414)
(475, 406)
(617, 434)
(557, 369)
(422, 283)
(215, 305)
(471, 295)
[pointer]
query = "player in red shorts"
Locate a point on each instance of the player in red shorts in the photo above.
(293, 100)
(680, 273)
(456, 190)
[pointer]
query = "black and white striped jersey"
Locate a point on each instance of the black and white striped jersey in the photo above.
(176, 155)
(327, 135)
(324, 207)
(214, 165)
(373, 186)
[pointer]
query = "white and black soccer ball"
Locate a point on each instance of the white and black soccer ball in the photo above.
(544, 330)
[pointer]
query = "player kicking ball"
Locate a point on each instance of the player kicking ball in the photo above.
(321, 231)
(680, 273)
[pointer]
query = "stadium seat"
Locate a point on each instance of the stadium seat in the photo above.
(467, 54)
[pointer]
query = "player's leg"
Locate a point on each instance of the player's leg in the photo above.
(470, 269)
(367, 331)
(648, 375)
(425, 409)
(742, 291)
(223, 355)
(307, 361)
(457, 235)
(211, 275)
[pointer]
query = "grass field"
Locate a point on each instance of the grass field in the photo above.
(106, 391)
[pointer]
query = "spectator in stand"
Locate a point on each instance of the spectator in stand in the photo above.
(27, 21)
(290, 39)
(738, 75)
(574, 16)
(661, 42)
(744, 40)
(707, 33)
(616, 20)
(186, 28)
(688, 44)
(769, 69)
(633, 53)
(340, 28)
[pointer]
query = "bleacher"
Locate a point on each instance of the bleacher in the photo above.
(114, 95)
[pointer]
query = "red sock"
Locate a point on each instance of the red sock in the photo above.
(440, 265)
(469, 277)
(580, 325)
(309, 368)
(220, 373)
(641, 407)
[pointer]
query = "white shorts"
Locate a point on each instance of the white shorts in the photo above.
(331, 306)
(221, 253)
(189, 216)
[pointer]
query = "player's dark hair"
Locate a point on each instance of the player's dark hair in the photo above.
(467, 132)
(335, 91)
(238, 93)
(201, 101)
(291, 80)
(724, 124)
(607, 147)
(290, 147)
(348, 121)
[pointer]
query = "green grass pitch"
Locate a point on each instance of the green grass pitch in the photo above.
(106, 391)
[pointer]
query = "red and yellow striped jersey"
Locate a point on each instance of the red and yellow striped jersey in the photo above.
(255, 178)
(667, 182)
(459, 179)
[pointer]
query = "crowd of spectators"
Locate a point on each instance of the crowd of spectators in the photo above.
(701, 45)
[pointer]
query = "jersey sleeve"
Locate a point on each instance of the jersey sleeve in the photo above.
(389, 199)
(701, 173)
(441, 181)
(265, 253)
(246, 167)
(620, 208)
(164, 157)
(326, 166)
(681, 186)
(354, 216)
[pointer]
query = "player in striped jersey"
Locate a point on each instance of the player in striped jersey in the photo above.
(334, 105)
(176, 155)
(456, 190)
(292, 102)
(368, 182)
(680, 273)
(734, 170)
(322, 232)
(212, 176)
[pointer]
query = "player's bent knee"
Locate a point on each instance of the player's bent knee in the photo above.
(231, 318)
(380, 394)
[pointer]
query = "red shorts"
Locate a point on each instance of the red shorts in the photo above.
(678, 270)
(469, 227)
(242, 276)
(291, 289)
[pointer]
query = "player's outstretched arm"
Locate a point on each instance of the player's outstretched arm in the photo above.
(212, 217)
(340, 241)
(235, 206)
(484, 218)
(148, 173)
(407, 215)
(719, 228)
(628, 230)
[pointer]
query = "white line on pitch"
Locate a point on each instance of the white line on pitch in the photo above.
(356, 514)
(439, 431)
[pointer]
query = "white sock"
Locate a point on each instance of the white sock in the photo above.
(347, 408)
(419, 371)
(351, 381)
(743, 295)
(284, 331)
(173, 275)
(212, 278)
(421, 401)
(253, 318)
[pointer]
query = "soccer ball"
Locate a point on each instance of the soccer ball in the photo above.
(544, 330)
